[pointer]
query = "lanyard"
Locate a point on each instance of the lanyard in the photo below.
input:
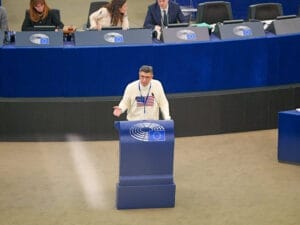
(146, 98)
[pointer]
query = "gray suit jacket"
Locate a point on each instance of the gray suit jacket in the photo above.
(3, 19)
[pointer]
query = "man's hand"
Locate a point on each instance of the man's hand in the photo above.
(117, 111)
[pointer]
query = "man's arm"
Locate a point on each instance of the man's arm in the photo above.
(149, 22)
(181, 17)
(117, 111)
(163, 103)
(123, 105)
(177, 14)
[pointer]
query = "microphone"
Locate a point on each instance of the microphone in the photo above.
(154, 99)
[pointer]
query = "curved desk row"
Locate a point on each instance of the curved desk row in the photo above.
(104, 71)
(240, 85)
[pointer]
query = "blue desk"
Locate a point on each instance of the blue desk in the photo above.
(289, 136)
(72, 71)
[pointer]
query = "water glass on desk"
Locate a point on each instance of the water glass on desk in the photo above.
(9, 37)
(69, 33)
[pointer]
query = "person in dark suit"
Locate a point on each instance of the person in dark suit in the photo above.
(155, 14)
(39, 13)
(162, 13)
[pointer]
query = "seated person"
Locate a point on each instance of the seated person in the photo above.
(112, 14)
(40, 14)
(155, 15)
(3, 19)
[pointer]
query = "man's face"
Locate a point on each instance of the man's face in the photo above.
(163, 3)
(145, 78)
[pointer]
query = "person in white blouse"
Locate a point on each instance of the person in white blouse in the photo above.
(111, 14)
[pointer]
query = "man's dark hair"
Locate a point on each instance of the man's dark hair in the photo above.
(146, 69)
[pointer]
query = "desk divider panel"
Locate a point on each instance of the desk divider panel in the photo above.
(113, 37)
(185, 34)
(239, 30)
(39, 39)
(285, 26)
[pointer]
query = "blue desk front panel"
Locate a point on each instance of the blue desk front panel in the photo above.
(146, 164)
(72, 71)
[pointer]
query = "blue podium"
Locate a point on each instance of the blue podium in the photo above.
(289, 136)
(146, 164)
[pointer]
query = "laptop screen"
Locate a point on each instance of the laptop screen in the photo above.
(172, 25)
(44, 28)
(112, 28)
(107, 28)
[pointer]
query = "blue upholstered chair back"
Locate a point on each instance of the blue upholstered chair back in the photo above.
(214, 12)
(265, 11)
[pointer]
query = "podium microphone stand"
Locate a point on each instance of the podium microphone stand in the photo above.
(146, 164)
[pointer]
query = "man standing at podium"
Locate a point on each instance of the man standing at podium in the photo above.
(144, 98)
